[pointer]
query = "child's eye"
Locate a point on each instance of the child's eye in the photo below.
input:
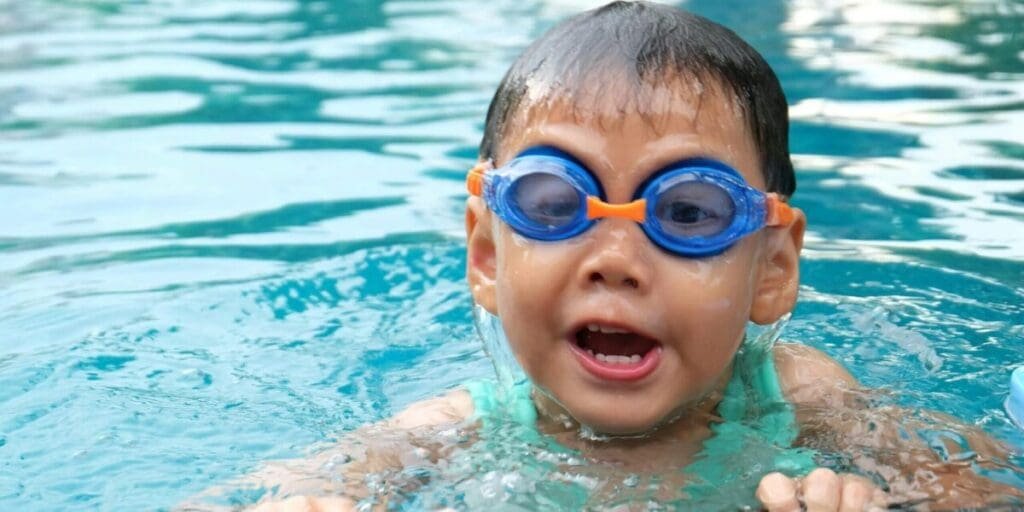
(694, 209)
(688, 213)
(547, 199)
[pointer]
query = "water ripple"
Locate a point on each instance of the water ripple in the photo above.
(232, 229)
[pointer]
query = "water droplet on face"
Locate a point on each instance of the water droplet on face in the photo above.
(566, 421)
(631, 480)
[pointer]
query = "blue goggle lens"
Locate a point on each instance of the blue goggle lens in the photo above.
(691, 209)
(547, 200)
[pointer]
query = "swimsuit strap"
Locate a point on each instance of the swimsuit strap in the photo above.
(754, 392)
(755, 437)
(490, 402)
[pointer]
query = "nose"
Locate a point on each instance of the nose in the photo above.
(617, 257)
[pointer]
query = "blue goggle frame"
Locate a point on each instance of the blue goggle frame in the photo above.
(751, 208)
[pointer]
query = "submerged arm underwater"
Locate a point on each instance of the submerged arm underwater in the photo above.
(369, 465)
(881, 447)
(919, 457)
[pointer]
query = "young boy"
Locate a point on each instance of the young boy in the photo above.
(628, 217)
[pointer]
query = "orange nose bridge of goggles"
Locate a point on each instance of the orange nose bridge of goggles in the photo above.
(635, 211)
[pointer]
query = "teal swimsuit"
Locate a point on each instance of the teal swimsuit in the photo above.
(755, 437)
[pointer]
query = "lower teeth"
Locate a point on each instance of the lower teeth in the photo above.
(613, 359)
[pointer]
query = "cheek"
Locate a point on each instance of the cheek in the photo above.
(718, 285)
(517, 271)
(713, 297)
(531, 279)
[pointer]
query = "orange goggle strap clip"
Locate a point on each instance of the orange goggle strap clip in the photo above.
(475, 178)
(777, 212)
(635, 211)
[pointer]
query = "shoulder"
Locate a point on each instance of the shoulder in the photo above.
(453, 407)
(808, 376)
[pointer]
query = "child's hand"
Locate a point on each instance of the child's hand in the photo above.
(820, 491)
(308, 504)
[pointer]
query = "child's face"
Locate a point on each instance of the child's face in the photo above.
(547, 294)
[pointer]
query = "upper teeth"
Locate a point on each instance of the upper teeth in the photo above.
(604, 329)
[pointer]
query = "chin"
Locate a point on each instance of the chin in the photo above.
(616, 423)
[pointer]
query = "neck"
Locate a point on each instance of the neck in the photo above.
(688, 422)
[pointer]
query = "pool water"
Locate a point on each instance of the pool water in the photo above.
(232, 231)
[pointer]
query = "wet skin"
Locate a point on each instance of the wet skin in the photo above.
(614, 276)
(695, 309)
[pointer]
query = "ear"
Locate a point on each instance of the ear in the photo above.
(481, 259)
(779, 277)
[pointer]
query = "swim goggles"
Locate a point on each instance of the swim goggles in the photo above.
(696, 207)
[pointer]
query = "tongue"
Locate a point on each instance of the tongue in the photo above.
(618, 344)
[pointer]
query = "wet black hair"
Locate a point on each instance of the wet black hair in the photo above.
(648, 44)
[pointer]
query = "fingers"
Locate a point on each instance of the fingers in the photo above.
(820, 491)
(293, 504)
(308, 504)
(335, 504)
(778, 493)
(859, 494)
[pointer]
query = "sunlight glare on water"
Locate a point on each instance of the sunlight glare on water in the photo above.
(232, 231)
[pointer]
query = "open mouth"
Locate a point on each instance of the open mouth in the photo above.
(615, 353)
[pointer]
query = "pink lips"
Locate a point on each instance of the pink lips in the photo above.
(618, 372)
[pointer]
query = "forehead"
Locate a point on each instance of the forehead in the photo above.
(625, 131)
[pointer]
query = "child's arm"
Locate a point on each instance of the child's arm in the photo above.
(834, 410)
(335, 478)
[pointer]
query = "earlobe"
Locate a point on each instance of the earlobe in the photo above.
(779, 277)
(481, 259)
